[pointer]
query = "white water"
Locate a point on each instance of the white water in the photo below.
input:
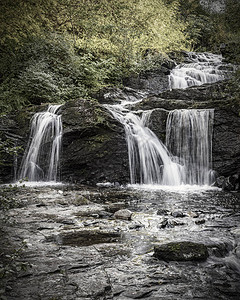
(41, 158)
(204, 68)
(183, 188)
(36, 184)
(149, 160)
(189, 138)
(189, 132)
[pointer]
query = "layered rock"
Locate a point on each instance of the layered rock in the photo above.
(94, 147)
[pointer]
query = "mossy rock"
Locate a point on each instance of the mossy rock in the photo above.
(181, 251)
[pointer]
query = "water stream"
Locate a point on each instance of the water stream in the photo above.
(41, 158)
(202, 68)
(186, 157)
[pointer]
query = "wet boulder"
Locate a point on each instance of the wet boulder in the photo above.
(200, 222)
(123, 214)
(181, 251)
(178, 214)
(162, 212)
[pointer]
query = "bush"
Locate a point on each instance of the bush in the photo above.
(48, 69)
(37, 84)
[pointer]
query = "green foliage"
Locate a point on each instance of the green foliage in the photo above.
(200, 28)
(206, 30)
(10, 97)
(231, 31)
(97, 43)
(125, 29)
(56, 50)
(152, 61)
(200, 24)
(20, 19)
(8, 147)
(38, 84)
(47, 69)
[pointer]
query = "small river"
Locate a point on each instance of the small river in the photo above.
(79, 247)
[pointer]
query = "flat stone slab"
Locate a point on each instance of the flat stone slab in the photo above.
(86, 237)
(181, 251)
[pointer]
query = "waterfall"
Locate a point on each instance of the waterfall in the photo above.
(203, 68)
(189, 138)
(41, 158)
(186, 158)
(149, 160)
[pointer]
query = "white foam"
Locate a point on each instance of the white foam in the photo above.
(105, 184)
(177, 188)
(35, 183)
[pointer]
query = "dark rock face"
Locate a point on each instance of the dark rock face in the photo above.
(157, 122)
(226, 142)
(181, 251)
(94, 147)
(152, 81)
(14, 130)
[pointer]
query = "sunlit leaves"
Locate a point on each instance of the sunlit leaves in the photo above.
(130, 27)
(22, 18)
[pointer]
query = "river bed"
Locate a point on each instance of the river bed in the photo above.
(81, 242)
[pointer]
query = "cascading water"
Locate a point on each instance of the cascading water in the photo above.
(149, 160)
(189, 132)
(41, 158)
(189, 138)
(203, 68)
